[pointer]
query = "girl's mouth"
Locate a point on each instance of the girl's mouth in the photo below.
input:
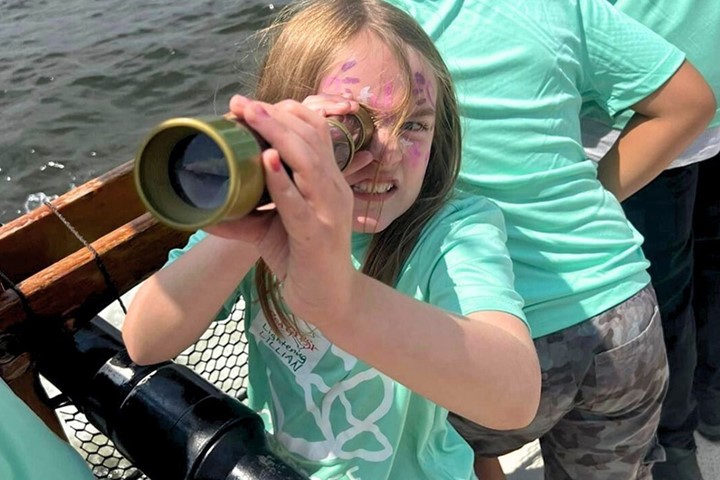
(371, 187)
(373, 191)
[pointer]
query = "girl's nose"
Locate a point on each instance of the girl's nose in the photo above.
(385, 148)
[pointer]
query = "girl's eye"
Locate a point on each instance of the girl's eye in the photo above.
(415, 127)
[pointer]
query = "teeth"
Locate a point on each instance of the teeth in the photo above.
(372, 187)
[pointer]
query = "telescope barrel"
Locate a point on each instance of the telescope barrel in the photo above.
(193, 172)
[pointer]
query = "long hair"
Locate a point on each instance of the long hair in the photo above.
(302, 42)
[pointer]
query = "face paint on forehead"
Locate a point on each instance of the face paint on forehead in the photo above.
(384, 100)
(334, 83)
(423, 90)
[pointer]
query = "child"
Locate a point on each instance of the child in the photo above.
(523, 69)
(678, 214)
(378, 302)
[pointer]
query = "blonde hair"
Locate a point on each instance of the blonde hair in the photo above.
(302, 42)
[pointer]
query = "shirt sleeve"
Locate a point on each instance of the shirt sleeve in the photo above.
(194, 239)
(625, 61)
(472, 270)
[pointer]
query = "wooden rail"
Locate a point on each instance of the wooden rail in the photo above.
(60, 279)
(58, 276)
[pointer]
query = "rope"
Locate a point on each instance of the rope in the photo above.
(98, 261)
(23, 299)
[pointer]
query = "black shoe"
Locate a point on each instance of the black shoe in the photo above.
(710, 432)
(680, 464)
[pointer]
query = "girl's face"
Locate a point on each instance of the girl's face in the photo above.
(386, 187)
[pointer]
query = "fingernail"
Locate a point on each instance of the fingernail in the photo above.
(275, 165)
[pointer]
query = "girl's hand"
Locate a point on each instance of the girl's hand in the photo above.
(330, 104)
(306, 243)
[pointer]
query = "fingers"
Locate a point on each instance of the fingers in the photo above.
(315, 188)
(299, 134)
(237, 107)
(331, 104)
(295, 211)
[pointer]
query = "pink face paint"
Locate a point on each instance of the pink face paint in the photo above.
(422, 90)
(348, 65)
(366, 97)
(386, 99)
(429, 94)
(415, 156)
(328, 83)
(351, 80)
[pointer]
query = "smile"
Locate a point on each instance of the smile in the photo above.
(373, 187)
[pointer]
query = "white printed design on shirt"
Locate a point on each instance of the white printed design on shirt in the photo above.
(301, 356)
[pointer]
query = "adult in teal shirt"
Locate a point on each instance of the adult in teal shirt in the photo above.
(29, 450)
(522, 70)
(678, 213)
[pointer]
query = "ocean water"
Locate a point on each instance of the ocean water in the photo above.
(83, 81)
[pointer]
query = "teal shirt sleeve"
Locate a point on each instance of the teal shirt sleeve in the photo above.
(462, 264)
(29, 449)
(625, 61)
(194, 239)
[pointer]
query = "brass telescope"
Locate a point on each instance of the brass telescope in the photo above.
(194, 172)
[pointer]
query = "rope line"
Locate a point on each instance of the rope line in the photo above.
(98, 261)
(23, 299)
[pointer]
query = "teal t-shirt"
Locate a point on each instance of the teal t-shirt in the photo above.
(335, 417)
(29, 450)
(522, 69)
(692, 26)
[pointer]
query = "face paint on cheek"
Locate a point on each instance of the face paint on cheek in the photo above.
(416, 156)
(351, 80)
(365, 96)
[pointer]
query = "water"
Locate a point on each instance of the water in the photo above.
(82, 81)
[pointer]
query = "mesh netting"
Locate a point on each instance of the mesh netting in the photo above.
(220, 356)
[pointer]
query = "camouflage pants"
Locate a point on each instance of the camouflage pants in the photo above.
(603, 382)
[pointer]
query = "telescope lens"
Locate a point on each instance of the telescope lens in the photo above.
(199, 172)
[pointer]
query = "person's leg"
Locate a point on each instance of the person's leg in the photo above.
(568, 359)
(610, 434)
(707, 297)
(564, 357)
(662, 212)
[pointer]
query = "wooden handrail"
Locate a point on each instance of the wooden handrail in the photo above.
(74, 288)
(38, 239)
